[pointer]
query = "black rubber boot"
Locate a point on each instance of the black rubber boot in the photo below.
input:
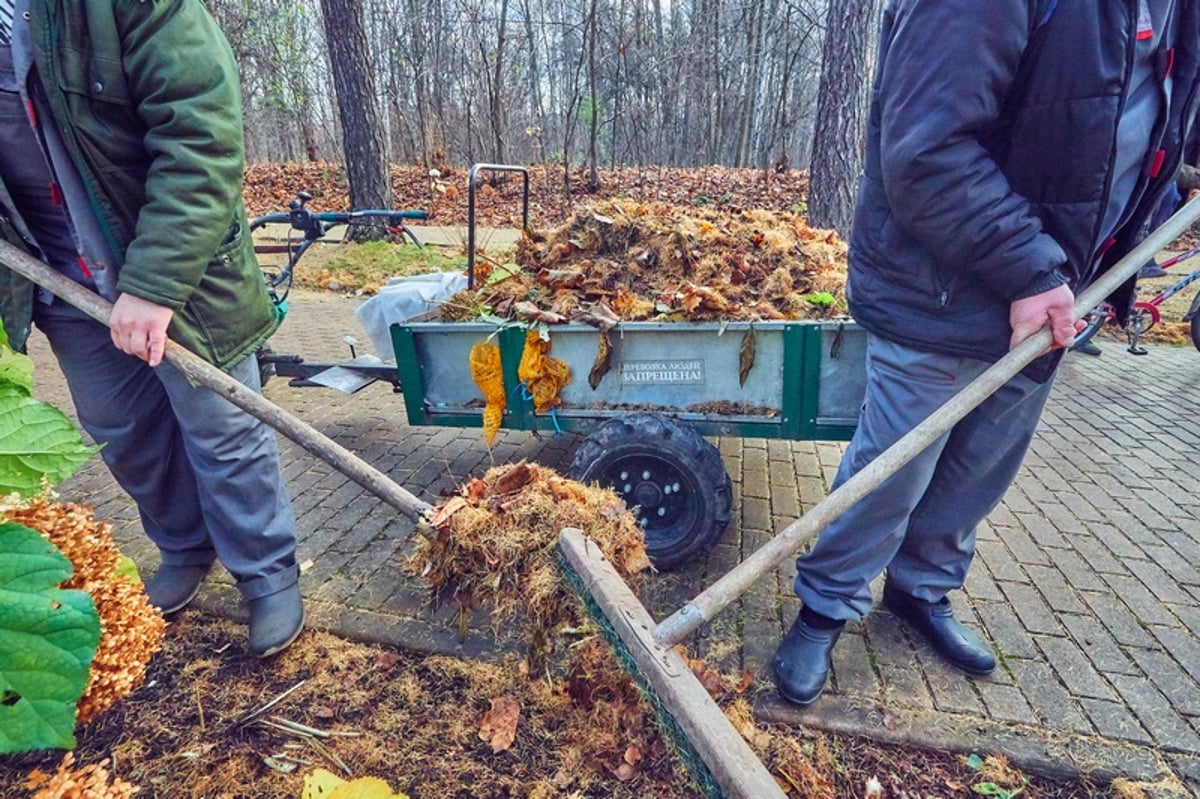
(275, 621)
(172, 587)
(951, 639)
(802, 662)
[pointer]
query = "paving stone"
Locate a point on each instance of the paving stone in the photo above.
(1099, 645)
(1138, 598)
(755, 484)
(785, 506)
(852, 670)
(1179, 570)
(1000, 562)
(1054, 588)
(1023, 547)
(1182, 646)
(1162, 585)
(1178, 686)
(1073, 668)
(1097, 554)
(1031, 608)
(1051, 702)
(980, 584)
(1188, 767)
(811, 490)
(1115, 720)
(902, 680)
(953, 691)
(756, 514)
(1156, 714)
(1004, 702)
(1079, 506)
(1006, 630)
(1119, 620)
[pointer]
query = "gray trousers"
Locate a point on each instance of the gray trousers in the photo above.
(205, 475)
(920, 523)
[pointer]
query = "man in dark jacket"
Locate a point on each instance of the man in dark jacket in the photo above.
(122, 168)
(1015, 149)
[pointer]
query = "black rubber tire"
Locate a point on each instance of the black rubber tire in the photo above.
(669, 474)
(1196, 330)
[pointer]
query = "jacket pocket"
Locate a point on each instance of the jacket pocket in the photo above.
(103, 114)
(229, 314)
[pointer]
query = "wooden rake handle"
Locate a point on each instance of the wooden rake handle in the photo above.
(739, 579)
(204, 373)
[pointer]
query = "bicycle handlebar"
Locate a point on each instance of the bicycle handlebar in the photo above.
(306, 220)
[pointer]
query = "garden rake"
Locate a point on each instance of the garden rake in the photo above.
(647, 649)
(204, 373)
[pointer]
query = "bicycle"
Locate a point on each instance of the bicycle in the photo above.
(306, 227)
(1145, 314)
(313, 225)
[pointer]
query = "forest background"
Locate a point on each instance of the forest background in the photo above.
(593, 84)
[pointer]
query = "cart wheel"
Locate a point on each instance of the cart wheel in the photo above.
(266, 367)
(672, 478)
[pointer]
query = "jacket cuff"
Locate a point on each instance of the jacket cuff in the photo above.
(1043, 282)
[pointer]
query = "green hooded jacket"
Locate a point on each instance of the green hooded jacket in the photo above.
(146, 98)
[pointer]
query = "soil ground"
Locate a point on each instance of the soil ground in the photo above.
(414, 721)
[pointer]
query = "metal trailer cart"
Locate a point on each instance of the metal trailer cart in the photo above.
(668, 386)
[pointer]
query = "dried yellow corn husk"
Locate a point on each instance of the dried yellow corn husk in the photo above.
(545, 376)
(488, 374)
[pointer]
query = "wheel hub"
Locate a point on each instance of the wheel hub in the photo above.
(648, 495)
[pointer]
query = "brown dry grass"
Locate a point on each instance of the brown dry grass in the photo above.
(414, 720)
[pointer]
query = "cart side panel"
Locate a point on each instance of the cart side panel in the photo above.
(804, 379)
(841, 379)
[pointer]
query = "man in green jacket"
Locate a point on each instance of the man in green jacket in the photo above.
(122, 168)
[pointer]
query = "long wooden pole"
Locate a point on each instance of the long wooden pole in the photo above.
(739, 579)
(204, 373)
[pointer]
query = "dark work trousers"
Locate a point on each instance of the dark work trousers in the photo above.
(920, 523)
(204, 474)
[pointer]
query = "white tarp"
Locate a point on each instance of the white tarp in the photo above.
(403, 299)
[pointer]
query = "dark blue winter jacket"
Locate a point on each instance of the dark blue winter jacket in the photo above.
(988, 165)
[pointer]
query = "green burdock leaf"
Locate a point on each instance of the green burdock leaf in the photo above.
(16, 370)
(36, 441)
(48, 638)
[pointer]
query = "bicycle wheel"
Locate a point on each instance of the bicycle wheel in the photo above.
(1196, 331)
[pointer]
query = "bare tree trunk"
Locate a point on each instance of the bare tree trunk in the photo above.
(593, 181)
(851, 34)
(362, 136)
(754, 44)
(496, 102)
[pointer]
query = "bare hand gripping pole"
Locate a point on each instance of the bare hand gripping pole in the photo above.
(735, 582)
(209, 376)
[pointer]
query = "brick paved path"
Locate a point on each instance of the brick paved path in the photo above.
(1087, 579)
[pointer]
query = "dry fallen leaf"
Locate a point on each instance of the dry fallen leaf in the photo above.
(499, 725)
(633, 755)
(444, 512)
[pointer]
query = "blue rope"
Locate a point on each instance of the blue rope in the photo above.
(525, 395)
